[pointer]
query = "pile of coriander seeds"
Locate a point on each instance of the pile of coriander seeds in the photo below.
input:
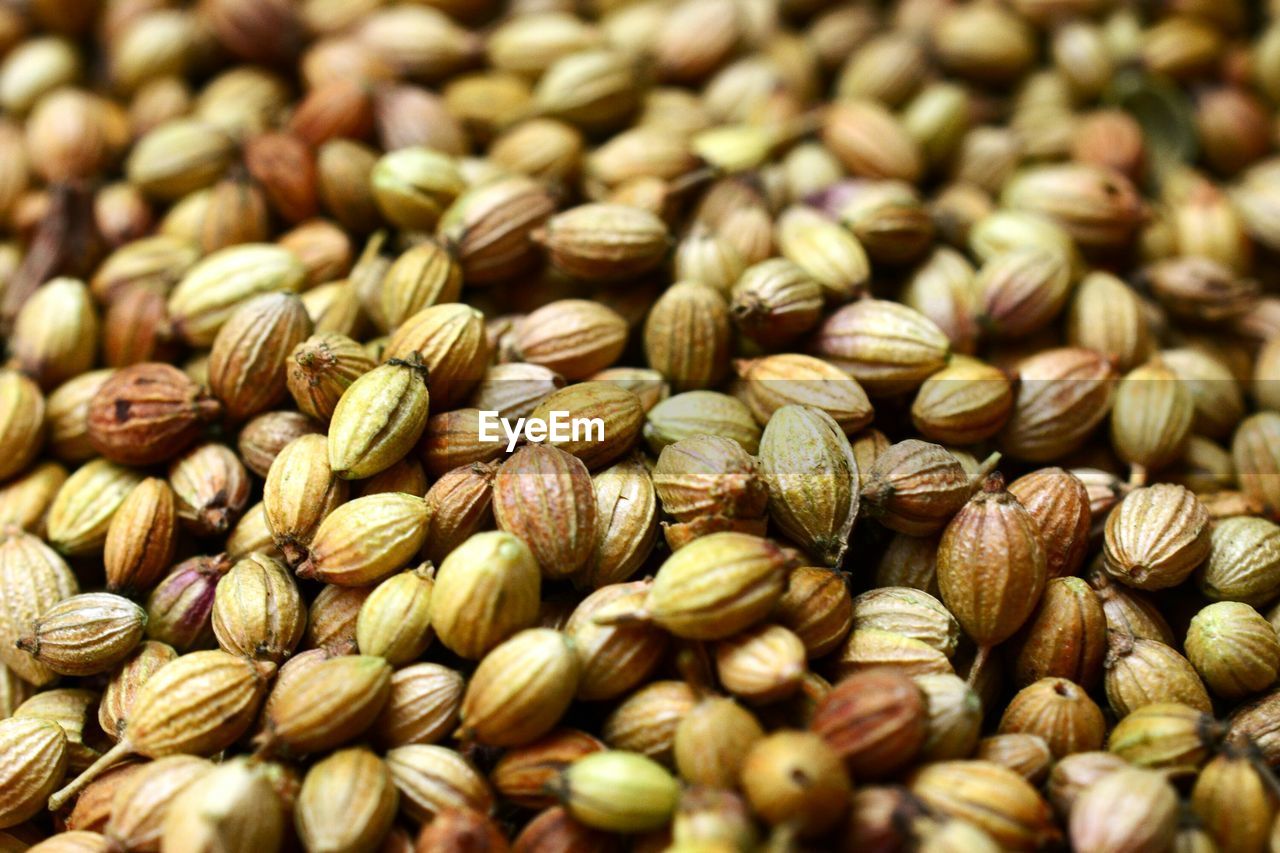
(702, 426)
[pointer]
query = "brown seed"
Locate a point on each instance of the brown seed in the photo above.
(525, 773)
(709, 475)
(321, 368)
(717, 585)
(33, 578)
(258, 611)
(331, 619)
(1244, 561)
(423, 276)
(915, 487)
(1075, 774)
(1065, 637)
(520, 689)
(954, 713)
(604, 242)
(1233, 648)
(1026, 755)
(626, 523)
(687, 335)
(263, 437)
(300, 492)
(93, 807)
(646, 721)
(347, 801)
(544, 495)
(1166, 735)
(614, 417)
(991, 565)
(1129, 809)
(1063, 394)
(875, 720)
(220, 695)
(142, 802)
(1156, 537)
(141, 538)
(423, 706)
(889, 348)
(1059, 503)
(810, 470)
(573, 337)
(22, 423)
(817, 608)
(1151, 416)
(489, 228)
(911, 562)
(486, 590)
(459, 504)
(461, 829)
(762, 664)
(85, 634)
(212, 488)
(450, 341)
(35, 757)
(1059, 711)
(870, 648)
(122, 690)
(366, 540)
(25, 500)
(796, 778)
(248, 360)
(615, 658)
(989, 796)
(512, 390)
(775, 301)
(432, 779)
(394, 622)
(72, 709)
(909, 612)
(1140, 672)
(148, 413)
(1234, 801)
(233, 805)
(554, 830)
(453, 439)
(337, 700)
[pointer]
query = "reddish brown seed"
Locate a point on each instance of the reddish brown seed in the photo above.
(148, 413)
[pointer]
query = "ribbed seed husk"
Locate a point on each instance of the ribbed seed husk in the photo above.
(487, 589)
(811, 471)
(717, 585)
(301, 490)
(365, 540)
(33, 578)
(141, 538)
(33, 757)
(347, 802)
(121, 691)
(258, 611)
(521, 688)
(423, 706)
(337, 700)
(433, 778)
(377, 421)
(85, 634)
